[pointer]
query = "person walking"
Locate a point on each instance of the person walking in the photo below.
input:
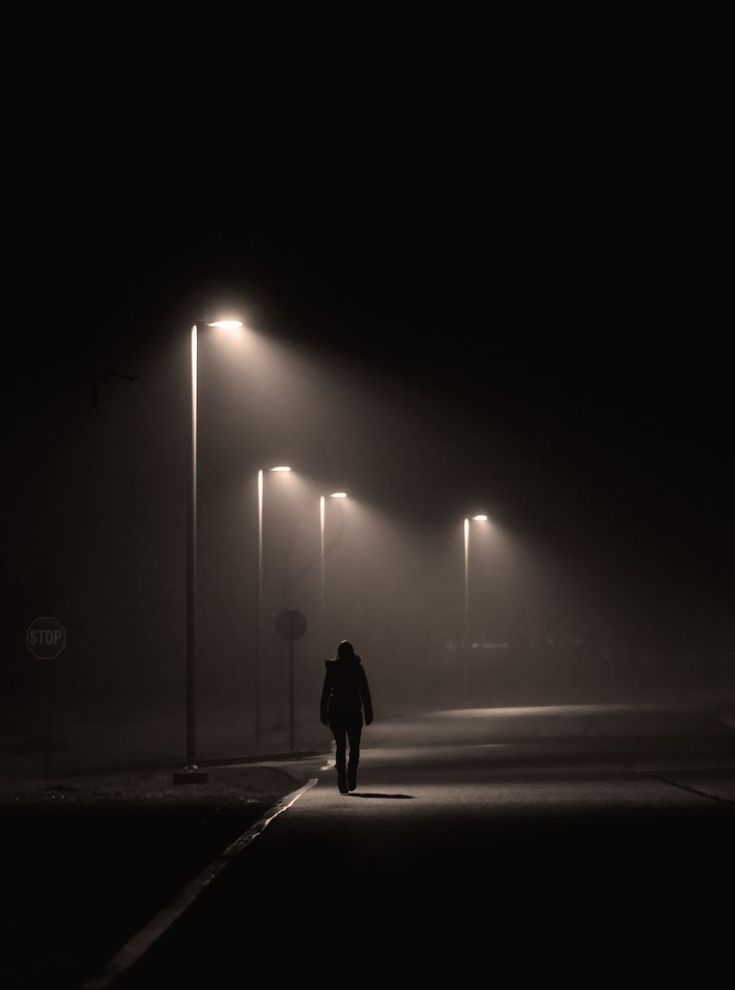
(345, 695)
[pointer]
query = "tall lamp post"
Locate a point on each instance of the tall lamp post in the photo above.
(282, 469)
(191, 772)
(322, 554)
(466, 625)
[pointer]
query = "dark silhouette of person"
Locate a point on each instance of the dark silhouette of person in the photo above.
(344, 695)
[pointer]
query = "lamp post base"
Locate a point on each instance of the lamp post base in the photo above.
(190, 775)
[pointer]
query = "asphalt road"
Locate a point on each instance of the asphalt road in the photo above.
(580, 845)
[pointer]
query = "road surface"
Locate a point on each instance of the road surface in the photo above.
(574, 844)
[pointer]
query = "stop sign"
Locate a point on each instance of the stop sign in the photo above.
(45, 638)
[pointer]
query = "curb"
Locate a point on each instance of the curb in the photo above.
(226, 761)
(223, 761)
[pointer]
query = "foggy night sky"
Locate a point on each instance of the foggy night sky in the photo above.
(519, 232)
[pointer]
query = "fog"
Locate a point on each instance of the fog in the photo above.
(95, 535)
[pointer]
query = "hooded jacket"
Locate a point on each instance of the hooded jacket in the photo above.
(345, 690)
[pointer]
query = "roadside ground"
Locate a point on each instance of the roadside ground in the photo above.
(88, 859)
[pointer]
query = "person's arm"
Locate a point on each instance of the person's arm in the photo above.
(367, 703)
(323, 715)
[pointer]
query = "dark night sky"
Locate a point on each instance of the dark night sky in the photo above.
(527, 217)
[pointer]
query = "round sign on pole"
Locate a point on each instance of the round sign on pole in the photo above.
(45, 638)
(290, 624)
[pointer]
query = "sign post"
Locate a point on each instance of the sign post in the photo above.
(45, 640)
(290, 625)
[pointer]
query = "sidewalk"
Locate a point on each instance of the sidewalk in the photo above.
(150, 742)
(96, 849)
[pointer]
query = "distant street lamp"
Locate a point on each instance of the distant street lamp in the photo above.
(282, 469)
(322, 554)
(466, 631)
(191, 772)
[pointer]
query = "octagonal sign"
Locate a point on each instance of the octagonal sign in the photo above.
(290, 624)
(45, 638)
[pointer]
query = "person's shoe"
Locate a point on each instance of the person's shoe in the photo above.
(352, 778)
(342, 784)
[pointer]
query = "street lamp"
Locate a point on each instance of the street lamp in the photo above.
(466, 632)
(191, 773)
(281, 469)
(322, 552)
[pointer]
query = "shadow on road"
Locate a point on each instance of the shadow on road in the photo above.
(398, 797)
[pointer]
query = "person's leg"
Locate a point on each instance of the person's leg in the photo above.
(354, 730)
(339, 731)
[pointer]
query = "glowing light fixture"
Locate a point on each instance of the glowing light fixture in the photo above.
(226, 324)
(338, 495)
(281, 468)
(480, 518)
